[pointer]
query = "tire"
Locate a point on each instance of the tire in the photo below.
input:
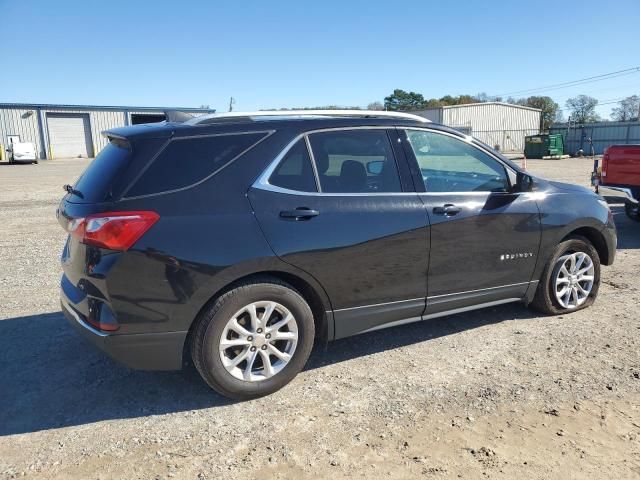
(217, 320)
(545, 299)
(633, 211)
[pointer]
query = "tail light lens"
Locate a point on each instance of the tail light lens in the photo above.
(112, 230)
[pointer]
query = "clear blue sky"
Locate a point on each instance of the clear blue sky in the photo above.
(303, 53)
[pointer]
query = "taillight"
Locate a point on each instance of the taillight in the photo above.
(112, 230)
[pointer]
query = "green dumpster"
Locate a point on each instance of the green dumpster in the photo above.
(543, 145)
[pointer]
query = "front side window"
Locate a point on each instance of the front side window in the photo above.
(355, 161)
(449, 164)
(186, 161)
(295, 172)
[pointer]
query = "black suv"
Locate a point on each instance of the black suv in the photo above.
(242, 238)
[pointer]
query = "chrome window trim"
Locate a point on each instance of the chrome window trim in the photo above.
(267, 133)
(262, 182)
(314, 167)
(469, 140)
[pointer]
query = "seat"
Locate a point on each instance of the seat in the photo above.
(353, 177)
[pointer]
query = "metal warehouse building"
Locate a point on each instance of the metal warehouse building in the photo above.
(497, 124)
(60, 131)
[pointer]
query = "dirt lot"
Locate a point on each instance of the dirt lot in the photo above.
(498, 393)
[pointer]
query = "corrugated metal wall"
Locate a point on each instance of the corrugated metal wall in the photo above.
(496, 124)
(603, 135)
(19, 121)
(432, 114)
(24, 120)
(99, 120)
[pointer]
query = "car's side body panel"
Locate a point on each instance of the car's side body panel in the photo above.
(366, 257)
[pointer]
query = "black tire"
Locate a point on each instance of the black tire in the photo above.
(545, 300)
(213, 320)
(633, 211)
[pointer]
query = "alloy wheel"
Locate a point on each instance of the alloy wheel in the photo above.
(575, 274)
(258, 341)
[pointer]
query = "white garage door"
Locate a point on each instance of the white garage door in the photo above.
(69, 135)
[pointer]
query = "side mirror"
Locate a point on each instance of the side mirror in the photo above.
(524, 182)
(375, 167)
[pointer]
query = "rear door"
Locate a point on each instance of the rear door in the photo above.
(484, 238)
(340, 205)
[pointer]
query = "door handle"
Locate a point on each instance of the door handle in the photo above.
(448, 209)
(300, 213)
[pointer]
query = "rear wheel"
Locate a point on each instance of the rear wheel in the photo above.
(571, 278)
(254, 339)
(632, 210)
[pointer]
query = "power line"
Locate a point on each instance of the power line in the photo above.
(582, 81)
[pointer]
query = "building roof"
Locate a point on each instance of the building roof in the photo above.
(505, 104)
(53, 106)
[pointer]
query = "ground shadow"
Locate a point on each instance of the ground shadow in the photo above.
(50, 377)
(53, 378)
(628, 230)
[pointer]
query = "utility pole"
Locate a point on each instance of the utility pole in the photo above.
(231, 102)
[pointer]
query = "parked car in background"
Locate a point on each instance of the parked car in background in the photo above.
(22, 152)
(619, 176)
(242, 238)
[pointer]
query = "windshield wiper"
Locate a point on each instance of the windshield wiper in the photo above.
(69, 189)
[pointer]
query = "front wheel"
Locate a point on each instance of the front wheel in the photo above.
(254, 339)
(571, 278)
(633, 211)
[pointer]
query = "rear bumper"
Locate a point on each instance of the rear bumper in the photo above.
(622, 193)
(142, 351)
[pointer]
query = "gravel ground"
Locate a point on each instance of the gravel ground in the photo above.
(497, 393)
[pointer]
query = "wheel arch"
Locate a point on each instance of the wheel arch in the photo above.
(596, 238)
(310, 290)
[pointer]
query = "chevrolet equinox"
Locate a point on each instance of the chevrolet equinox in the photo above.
(239, 239)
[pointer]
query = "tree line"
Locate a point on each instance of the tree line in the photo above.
(582, 108)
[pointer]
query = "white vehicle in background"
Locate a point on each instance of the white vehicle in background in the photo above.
(22, 152)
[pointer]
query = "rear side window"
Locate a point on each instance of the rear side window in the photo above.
(295, 171)
(95, 182)
(187, 161)
(355, 161)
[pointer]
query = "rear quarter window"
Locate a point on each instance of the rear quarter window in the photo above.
(97, 180)
(187, 161)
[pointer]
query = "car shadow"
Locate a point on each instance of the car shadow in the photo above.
(52, 378)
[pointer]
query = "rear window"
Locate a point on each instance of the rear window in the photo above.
(95, 182)
(187, 161)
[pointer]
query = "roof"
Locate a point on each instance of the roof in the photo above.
(292, 124)
(53, 106)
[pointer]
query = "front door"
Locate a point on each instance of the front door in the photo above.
(484, 237)
(347, 215)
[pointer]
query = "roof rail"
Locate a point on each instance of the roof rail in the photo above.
(269, 114)
(177, 116)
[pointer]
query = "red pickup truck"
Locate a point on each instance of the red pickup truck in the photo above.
(619, 176)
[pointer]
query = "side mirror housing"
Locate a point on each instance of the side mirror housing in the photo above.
(524, 182)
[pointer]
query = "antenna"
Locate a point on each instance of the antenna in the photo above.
(231, 102)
